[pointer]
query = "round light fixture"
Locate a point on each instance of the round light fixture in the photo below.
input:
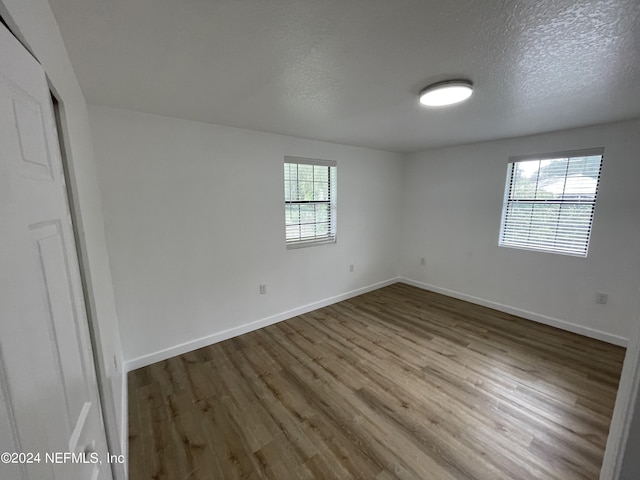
(446, 93)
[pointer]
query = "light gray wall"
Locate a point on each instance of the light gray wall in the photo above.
(194, 216)
(452, 209)
(33, 22)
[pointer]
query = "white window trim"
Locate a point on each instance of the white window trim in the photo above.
(549, 156)
(291, 245)
(586, 152)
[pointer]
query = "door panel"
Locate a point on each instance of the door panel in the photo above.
(48, 397)
(56, 280)
(31, 139)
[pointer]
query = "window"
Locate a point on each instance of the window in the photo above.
(549, 202)
(309, 201)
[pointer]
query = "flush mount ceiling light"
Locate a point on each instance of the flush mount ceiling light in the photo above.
(446, 93)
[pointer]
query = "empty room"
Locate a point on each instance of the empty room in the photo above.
(320, 239)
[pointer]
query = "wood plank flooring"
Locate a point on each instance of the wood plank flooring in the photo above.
(398, 383)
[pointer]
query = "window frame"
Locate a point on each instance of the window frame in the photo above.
(331, 202)
(508, 200)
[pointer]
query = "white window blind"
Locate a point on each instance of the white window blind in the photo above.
(309, 201)
(550, 200)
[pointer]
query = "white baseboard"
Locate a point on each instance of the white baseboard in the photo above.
(164, 354)
(160, 355)
(554, 322)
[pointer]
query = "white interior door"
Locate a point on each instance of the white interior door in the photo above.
(49, 400)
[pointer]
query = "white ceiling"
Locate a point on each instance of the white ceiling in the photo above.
(349, 71)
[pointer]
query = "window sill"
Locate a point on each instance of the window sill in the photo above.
(312, 243)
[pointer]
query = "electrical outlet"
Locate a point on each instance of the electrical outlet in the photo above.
(263, 289)
(423, 261)
(602, 298)
(351, 267)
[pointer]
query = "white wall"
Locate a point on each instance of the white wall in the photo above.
(33, 22)
(194, 216)
(451, 217)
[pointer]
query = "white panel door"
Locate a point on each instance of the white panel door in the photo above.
(49, 402)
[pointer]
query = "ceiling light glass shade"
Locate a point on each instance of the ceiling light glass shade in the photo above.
(446, 93)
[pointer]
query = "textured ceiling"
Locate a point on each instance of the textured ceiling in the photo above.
(349, 71)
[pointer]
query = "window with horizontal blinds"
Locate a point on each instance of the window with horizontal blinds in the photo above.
(309, 201)
(550, 200)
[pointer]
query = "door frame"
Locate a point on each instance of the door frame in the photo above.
(105, 397)
(627, 402)
(107, 406)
